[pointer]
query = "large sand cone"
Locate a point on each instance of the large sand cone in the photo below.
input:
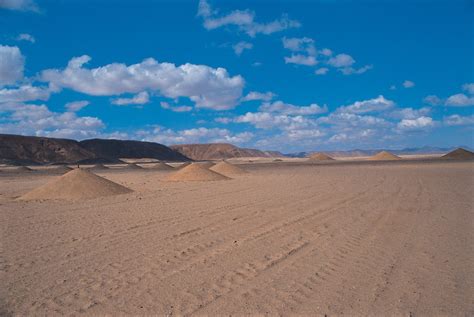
(77, 184)
(384, 156)
(320, 157)
(161, 167)
(227, 169)
(195, 172)
(206, 164)
(459, 154)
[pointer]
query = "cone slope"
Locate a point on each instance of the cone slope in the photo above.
(384, 156)
(227, 169)
(132, 166)
(161, 167)
(195, 172)
(320, 157)
(459, 154)
(77, 184)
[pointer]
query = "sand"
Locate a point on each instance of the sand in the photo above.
(161, 167)
(320, 157)
(18, 169)
(183, 165)
(195, 172)
(459, 154)
(132, 167)
(369, 239)
(77, 184)
(98, 167)
(384, 156)
(228, 169)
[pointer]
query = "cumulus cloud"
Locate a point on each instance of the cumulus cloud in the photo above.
(240, 47)
(301, 59)
(408, 84)
(255, 95)
(420, 123)
(19, 5)
(12, 64)
(457, 120)
(341, 60)
(207, 87)
(26, 37)
(244, 20)
(166, 105)
(410, 113)
(321, 71)
(289, 109)
(433, 100)
(300, 44)
(24, 93)
(29, 119)
(469, 88)
(459, 100)
(76, 105)
(352, 70)
(371, 105)
(139, 99)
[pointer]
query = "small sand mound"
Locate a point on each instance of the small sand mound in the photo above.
(183, 165)
(384, 156)
(60, 169)
(98, 167)
(132, 167)
(195, 172)
(320, 157)
(77, 184)
(161, 167)
(19, 169)
(227, 169)
(459, 154)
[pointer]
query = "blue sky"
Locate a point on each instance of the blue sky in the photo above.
(279, 75)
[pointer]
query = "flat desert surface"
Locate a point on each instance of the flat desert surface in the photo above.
(301, 239)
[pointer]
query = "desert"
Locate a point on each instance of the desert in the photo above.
(278, 238)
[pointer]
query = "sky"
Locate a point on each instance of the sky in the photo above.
(275, 75)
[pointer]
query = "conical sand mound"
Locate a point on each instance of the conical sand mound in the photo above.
(384, 156)
(227, 169)
(459, 154)
(161, 167)
(183, 165)
(132, 167)
(61, 169)
(195, 172)
(77, 184)
(206, 164)
(320, 157)
(98, 167)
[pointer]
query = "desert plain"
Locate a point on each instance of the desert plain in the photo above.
(285, 238)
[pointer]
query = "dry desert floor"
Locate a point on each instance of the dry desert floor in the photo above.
(302, 239)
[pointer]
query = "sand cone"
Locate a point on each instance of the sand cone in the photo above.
(60, 169)
(161, 167)
(320, 157)
(459, 154)
(77, 184)
(183, 165)
(195, 172)
(384, 156)
(132, 166)
(227, 169)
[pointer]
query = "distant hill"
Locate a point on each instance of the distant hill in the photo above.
(358, 152)
(216, 151)
(22, 150)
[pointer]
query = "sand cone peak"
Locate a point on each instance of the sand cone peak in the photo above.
(459, 154)
(183, 165)
(227, 169)
(77, 184)
(385, 156)
(133, 166)
(320, 157)
(195, 172)
(161, 167)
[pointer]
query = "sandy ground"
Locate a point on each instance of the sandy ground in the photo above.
(313, 239)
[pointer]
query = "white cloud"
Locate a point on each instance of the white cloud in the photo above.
(206, 86)
(19, 5)
(457, 120)
(351, 70)
(459, 100)
(420, 123)
(267, 120)
(321, 71)
(299, 45)
(167, 106)
(139, 99)
(469, 88)
(240, 47)
(24, 93)
(433, 100)
(289, 109)
(76, 105)
(301, 59)
(325, 52)
(243, 20)
(408, 84)
(255, 95)
(341, 60)
(28, 119)
(371, 105)
(12, 64)
(342, 120)
(393, 87)
(26, 37)
(410, 113)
